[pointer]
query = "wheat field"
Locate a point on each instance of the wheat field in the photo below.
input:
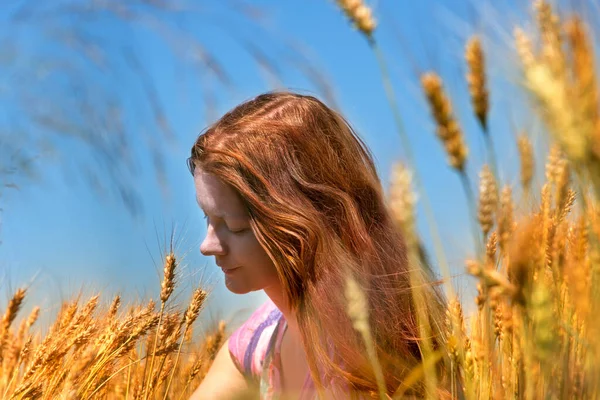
(534, 333)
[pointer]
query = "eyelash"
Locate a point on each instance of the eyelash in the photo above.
(234, 232)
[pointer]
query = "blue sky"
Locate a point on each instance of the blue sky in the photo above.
(61, 236)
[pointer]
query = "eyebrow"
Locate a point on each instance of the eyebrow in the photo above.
(218, 215)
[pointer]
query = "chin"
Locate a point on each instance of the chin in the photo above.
(238, 290)
(235, 287)
(241, 287)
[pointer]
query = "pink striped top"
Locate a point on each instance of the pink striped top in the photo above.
(255, 348)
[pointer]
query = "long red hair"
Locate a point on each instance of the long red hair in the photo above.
(318, 208)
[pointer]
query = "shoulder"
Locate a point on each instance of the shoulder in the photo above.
(223, 380)
(249, 343)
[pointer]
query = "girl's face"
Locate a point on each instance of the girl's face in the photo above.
(229, 237)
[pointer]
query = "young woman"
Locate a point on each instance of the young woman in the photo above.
(294, 206)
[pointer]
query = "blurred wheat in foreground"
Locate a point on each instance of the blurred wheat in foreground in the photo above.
(534, 334)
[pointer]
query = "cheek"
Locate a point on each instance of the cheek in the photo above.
(248, 250)
(251, 255)
(244, 247)
(261, 264)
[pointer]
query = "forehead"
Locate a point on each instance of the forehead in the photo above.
(216, 197)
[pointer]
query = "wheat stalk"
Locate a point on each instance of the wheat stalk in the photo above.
(360, 15)
(357, 309)
(526, 161)
(488, 199)
(448, 129)
(190, 316)
(9, 316)
(167, 286)
(402, 201)
(476, 79)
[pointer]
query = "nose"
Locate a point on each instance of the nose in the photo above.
(212, 245)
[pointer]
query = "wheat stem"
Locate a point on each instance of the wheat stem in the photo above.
(477, 239)
(419, 187)
(144, 386)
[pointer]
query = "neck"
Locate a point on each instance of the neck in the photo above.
(276, 295)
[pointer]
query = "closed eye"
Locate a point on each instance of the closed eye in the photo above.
(235, 232)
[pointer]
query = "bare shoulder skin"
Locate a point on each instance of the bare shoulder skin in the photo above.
(223, 381)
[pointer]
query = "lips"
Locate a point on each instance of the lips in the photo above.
(224, 268)
(230, 270)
